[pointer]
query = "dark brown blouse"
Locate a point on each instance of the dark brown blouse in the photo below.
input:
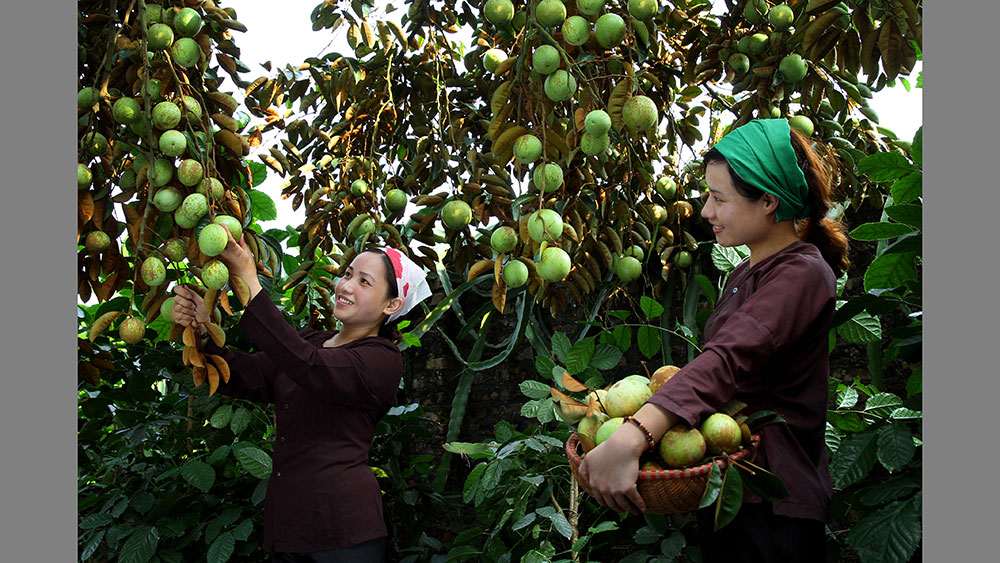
(321, 494)
(767, 345)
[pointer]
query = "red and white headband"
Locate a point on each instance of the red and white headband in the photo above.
(411, 281)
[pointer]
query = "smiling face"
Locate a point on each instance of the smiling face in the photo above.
(362, 296)
(735, 219)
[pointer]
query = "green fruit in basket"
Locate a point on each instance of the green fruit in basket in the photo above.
(588, 426)
(626, 396)
(608, 428)
(682, 446)
(722, 434)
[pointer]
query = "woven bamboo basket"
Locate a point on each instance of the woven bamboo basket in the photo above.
(671, 491)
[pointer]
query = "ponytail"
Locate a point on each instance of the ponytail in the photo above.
(825, 233)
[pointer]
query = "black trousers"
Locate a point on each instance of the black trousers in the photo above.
(371, 551)
(757, 535)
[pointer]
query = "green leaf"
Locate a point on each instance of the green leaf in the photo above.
(527, 519)
(219, 454)
(917, 147)
(895, 446)
(561, 346)
(907, 213)
(258, 172)
(903, 413)
(240, 421)
(712, 488)
(847, 398)
(763, 483)
(731, 497)
(91, 546)
(650, 307)
(262, 205)
(890, 535)
(646, 535)
(199, 474)
(222, 548)
(255, 460)
(534, 389)
(243, 531)
(561, 524)
(879, 231)
(672, 547)
(649, 341)
(471, 482)
(832, 437)
(885, 166)
(882, 492)
(140, 545)
(853, 460)
(94, 521)
(846, 422)
(915, 383)
(578, 357)
(461, 553)
(861, 329)
(882, 404)
(605, 357)
(890, 271)
(707, 288)
(623, 338)
(475, 450)
(544, 366)
(727, 258)
(142, 501)
(222, 416)
(605, 526)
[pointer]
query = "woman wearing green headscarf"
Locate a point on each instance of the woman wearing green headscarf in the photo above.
(766, 344)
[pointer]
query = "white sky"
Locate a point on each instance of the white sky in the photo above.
(282, 33)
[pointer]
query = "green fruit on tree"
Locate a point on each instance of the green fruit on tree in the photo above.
(152, 90)
(192, 110)
(211, 187)
(559, 86)
(396, 200)
(739, 62)
(359, 187)
(153, 271)
(140, 126)
(194, 206)
(682, 446)
(87, 98)
(161, 172)
(97, 241)
(757, 44)
(167, 310)
(545, 59)
(597, 122)
(629, 269)
(608, 428)
(626, 396)
(456, 214)
(503, 239)
(167, 199)
(166, 115)
(499, 11)
(658, 214)
(781, 17)
(520, 18)
(635, 251)
(364, 227)
(492, 59)
(722, 434)
(213, 239)
(83, 176)
(792, 68)
(527, 148)
(132, 330)
(547, 177)
(172, 143)
(159, 37)
(590, 7)
(576, 30)
(214, 274)
(593, 145)
(545, 225)
(643, 10)
(609, 30)
(802, 124)
(683, 259)
(515, 274)
(175, 250)
(190, 172)
(232, 224)
(185, 52)
(94, 144)
(554, 265)
(639, 113)
(550, 12)
(187, 22)
(666, 187)
(754, 11)
(184, 221)
(126, 110)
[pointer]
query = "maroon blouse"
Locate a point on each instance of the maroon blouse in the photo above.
(321, 494)
(767, 345)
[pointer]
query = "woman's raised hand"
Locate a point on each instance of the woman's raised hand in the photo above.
(189, 308)
(238, 258)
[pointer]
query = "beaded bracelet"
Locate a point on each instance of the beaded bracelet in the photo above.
(649, 437)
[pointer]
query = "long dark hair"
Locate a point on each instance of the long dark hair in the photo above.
(825, 233)
(387, 329)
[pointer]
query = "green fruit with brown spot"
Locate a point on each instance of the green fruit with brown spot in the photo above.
(232, 224)
(559, 86)
(189, 172)
(682, 446)
(456, 214)
(187, 22)
(166, 115)
(515, 273)
(527, 148)
(554, 265)
(126, 110)
(159, 37)
(172, 143)
(722, 434)
(213, 239)
(576, 30)
(211, 187)
(639, 113)
(547, 177)
(83, 176)
(167, 310)
(503, 239)
(215, 274)
(175, 250)
(153, 271)
(97, 241)
(132, 330)
(94, 143)
(498, 11)
(545, 59)
(185, 52)
(550, 13)
(545, 224)
(609, 30)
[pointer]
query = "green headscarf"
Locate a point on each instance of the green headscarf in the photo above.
(761, 153)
